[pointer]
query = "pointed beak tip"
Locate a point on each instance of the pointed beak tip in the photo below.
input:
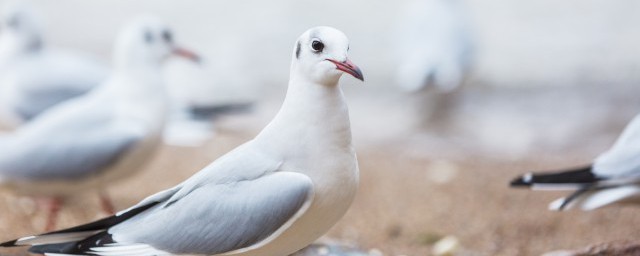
(187, 54)
(359, 76)
(348, 67)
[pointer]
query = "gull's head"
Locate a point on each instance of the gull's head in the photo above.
(20, 27)
(147, 42)
(321, 55)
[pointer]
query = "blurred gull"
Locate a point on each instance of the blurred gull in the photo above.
(192, 127)
(90, 141)
(270, 196)
(33, 75)
(197, 102)
(434, 45)
(613, 177)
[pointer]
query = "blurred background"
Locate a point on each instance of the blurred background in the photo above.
(546, 85)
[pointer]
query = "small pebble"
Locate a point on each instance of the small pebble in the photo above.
(441, 171)
(323, 250)
(375, 252)
(447, 246)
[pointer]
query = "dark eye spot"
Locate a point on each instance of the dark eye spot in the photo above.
(148, 36)
(167, 36)
(317, 46)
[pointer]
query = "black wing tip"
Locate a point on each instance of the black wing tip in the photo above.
(522, 181)
(575, 195)
(582, 175)
(11, 243)
(213, 111)
(77, 246)
(61, 248)
(82, 247)
(107, 222)
(564, 206)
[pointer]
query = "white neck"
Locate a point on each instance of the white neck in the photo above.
(313, 117)
(140, 95)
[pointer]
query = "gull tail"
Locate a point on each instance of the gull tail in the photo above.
(214, 111)
(568, 202)
(591, 199)
(75, 240)
(608, 196)
(590, 191)
(73, 247)
(569, 179)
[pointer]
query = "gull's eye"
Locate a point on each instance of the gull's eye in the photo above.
(317, 46)
(167, 36)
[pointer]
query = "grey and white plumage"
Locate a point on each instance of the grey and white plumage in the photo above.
(433, 46)
(199, 98)
(192, 125)
(71, 146)
(35, 76)
(613, 177)
(106, 135)
(270, 196)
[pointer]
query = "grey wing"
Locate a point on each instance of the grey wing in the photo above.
(65, 155)
(61, 76)
(80, 237)
(35, 103)
(218, 218)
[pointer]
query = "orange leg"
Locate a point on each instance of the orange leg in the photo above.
(105, 203)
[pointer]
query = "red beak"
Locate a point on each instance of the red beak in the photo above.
(348, 67)
(186, 54)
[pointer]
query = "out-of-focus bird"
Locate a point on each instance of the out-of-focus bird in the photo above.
(88, 142)
(614, 176)
(434, 45)
(270, 196)
(192, 126)
(200, 96)
(193, 113)
(33, 75)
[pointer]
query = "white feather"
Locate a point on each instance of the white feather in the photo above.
(555, 205)
(555, 187)
(608, 196)
(120, 250)
(131, 249)
(54, 238)
(621, 160)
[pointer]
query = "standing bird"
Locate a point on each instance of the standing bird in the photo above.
(434, 47)
(270, 196)
(106, 135)
(613, 177)
(34, 76)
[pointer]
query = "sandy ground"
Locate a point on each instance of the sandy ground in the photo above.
(421, 178)
(416, 187)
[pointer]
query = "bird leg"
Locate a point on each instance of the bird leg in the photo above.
(105, 203)
(53, 205)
